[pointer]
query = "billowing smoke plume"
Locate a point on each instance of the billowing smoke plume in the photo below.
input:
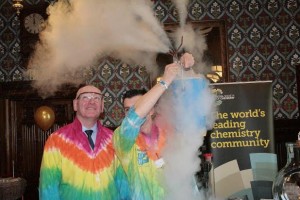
(79, 33)
(189, 109)
(181, 6)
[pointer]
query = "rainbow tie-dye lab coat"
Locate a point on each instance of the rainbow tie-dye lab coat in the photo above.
(71, 170)
(143, 174)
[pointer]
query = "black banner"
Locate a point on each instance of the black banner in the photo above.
(241, 141)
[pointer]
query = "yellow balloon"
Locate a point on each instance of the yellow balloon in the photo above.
(44, 117)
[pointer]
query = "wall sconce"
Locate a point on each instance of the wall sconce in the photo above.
(17, 4)
(217, 73)
(218, 69)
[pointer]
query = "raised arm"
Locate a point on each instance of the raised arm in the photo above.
(148, 100)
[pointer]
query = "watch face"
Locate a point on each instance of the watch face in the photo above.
(34, 23)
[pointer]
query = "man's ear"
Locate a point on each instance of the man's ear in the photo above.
(75, 105)
(152, 113)
(153, 116)
(102, 106)
(102, 115)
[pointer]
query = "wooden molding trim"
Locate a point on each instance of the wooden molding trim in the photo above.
(20, 90)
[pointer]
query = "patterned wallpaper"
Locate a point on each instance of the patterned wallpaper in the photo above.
(263, 38)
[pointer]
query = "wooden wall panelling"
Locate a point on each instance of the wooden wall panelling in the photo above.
(8, 138)
(32, 138)
(2, 139)
(298, 86)
(287, 130)
(26, 140)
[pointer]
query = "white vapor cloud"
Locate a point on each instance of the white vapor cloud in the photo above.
(78, 33)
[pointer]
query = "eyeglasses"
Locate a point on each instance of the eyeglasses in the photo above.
(87, 96)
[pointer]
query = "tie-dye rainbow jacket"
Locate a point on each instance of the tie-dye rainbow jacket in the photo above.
(71, 170)
(143, 174)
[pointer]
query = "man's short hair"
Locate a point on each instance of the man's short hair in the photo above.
(133, 93)
(163, 59)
